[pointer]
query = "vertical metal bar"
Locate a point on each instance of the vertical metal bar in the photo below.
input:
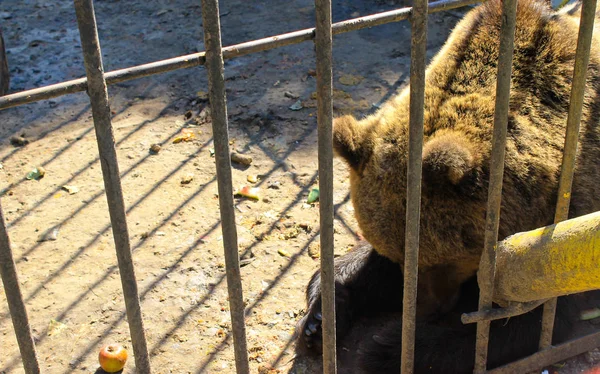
(418, 20)
(487, 266)
(218, 104)
(323, 43)
(88, 31)
(582, 57)
(16, 305)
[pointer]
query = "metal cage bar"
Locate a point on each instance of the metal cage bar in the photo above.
(16, 305)
(488, 257)
(582, 57)
(218, 106)
(197, 59)
(96, 87)
(418, 55)
(549, 356)
(323, 44)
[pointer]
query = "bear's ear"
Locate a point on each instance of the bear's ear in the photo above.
(349, 141)
(448, 158)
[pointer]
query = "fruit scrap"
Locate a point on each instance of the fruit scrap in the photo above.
(37, 173)
(186, 135)
(249, 192)
(313, 196)
(112, 358)
(589, 314)
(252, 178)
(283, 252)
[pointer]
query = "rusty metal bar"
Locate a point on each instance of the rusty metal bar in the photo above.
(582, 57)
(197, 59)
(488, 258)
(514, 309)
(16, 305)
(92, 56)
(418, 56)
(550, 356)
(218, 106)
(323, 44)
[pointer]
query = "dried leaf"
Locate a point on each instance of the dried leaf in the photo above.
(55, 327)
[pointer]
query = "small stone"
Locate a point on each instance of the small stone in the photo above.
(187, 179)
(155, 148)
(296, 106)
(18, 141)
(314, 250)
(50, 235)
(241, 159)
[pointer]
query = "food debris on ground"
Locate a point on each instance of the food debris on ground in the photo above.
(249, 192)
(313, 196)
(36, 174)
(241, 159)
(186, 135)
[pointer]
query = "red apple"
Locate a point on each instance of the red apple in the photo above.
(112, 358)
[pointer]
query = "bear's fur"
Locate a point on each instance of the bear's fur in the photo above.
(459, 112)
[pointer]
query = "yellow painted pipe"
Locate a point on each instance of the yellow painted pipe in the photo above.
(551, 261)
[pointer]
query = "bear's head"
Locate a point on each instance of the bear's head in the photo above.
(453, 199)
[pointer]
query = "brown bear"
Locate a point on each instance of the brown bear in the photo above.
(459, 112)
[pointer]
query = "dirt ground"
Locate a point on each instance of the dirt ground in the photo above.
(71, 285)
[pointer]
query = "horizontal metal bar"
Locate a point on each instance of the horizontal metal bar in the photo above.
(512, 310)
(551, 355)
(197, 59)
(582, 57)
(527, 262)
(92, 57)
(16, 305)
